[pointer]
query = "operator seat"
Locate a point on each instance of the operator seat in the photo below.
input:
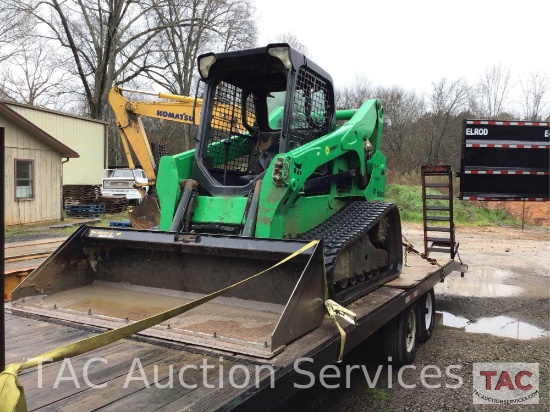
(265, 146)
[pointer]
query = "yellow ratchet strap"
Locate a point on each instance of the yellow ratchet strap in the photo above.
(334, 309)
(12, 395)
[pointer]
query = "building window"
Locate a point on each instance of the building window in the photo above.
(23, 179)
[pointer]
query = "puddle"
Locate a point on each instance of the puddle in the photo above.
(465, 287)
(501, 326)
(491, 273)
(483, 282)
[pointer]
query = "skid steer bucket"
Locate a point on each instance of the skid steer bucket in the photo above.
(106, 277)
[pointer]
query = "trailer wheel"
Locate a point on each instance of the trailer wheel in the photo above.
(400, 337)
(426, 316)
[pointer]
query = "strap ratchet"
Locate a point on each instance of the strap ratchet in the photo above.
(334, 309)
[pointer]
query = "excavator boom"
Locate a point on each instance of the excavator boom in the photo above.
(135, 142)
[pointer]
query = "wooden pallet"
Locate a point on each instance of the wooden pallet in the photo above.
(91, 194)
(120, 223)
(85, 210)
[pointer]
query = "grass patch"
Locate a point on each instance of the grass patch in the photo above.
(107, 218)
(409, 201)
(378, 394)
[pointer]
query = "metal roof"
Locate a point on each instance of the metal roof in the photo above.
(36, 131)
(43, 109)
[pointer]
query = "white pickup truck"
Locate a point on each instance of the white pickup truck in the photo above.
(120, 183)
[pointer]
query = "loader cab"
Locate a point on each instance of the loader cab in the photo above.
(257, 104)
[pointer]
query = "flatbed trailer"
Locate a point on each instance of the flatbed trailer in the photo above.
(231, 382)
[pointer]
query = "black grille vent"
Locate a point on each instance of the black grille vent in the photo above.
(230, 141)
(311, 114)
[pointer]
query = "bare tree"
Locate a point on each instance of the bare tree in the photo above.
(491, 94)
(441, 124)
(292, 39)
(33, 77)
(107, 40)
(534, 96)
(213, 25)
(402, 109)
(238, 29)
(353, 96)
(14, 28)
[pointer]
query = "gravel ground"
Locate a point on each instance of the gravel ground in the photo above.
(446, 347)
(47, 231)
(508, 277)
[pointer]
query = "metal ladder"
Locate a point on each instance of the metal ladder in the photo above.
(443, 240)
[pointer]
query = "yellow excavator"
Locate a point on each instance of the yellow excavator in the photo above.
(182, 109)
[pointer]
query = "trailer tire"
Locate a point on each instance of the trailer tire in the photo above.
(400, 337)
(426, 316)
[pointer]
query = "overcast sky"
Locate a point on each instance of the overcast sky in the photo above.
(412, 43)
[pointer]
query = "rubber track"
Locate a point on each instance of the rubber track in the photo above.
(341, 230)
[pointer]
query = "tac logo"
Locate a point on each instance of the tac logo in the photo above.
(506, 383)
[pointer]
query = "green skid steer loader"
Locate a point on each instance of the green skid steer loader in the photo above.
(275, 166)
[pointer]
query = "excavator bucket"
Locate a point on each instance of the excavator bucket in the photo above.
(107, 277)
(147, 214)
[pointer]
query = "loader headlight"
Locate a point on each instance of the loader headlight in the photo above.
(282, 53)
(205, 63)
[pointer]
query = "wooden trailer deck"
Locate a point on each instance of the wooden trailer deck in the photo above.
(114, 366)
(26, 337)
(21, 258)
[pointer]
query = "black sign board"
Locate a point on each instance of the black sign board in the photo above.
(505, 160)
